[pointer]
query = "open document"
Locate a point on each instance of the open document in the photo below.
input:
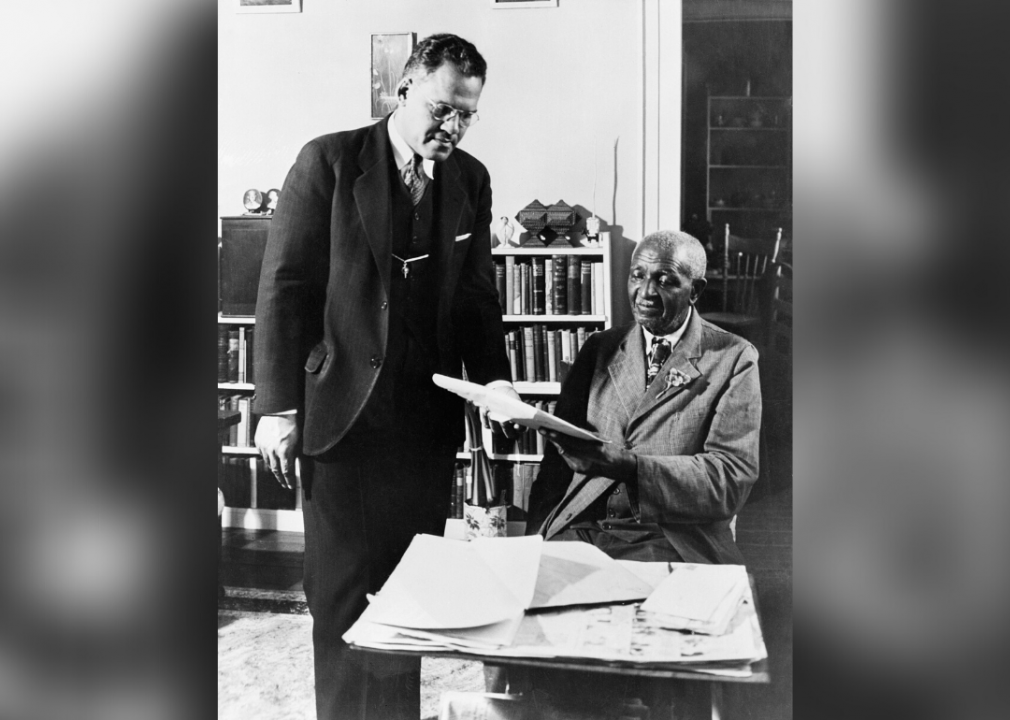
(503, 408)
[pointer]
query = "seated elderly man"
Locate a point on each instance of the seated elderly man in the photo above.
(679, 400)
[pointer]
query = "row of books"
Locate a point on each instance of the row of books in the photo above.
(240, 435)
(539, 354)
(234, 354)
(515, 479)
(556, 285)
(247, 483)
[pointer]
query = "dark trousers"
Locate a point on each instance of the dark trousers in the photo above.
(362, 508)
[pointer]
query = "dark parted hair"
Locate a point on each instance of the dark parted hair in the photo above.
(436, 50)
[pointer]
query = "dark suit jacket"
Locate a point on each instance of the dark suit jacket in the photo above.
(697, 444)
(322, 311)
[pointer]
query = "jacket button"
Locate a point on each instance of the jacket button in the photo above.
(628, 445)
(384, 305)
(606, 526)
(375, 362)
(611, 514)
(617, 491)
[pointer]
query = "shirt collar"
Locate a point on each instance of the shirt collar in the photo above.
(673, 338)
(402, 153)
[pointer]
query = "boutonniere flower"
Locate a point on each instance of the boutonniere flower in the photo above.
(675, 378)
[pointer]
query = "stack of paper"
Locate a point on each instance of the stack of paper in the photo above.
(699, 598)
(522, 597)
(458, 596)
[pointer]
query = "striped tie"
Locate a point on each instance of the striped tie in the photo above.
(415, 179)
(658, 355)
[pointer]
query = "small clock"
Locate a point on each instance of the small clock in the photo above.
(273, 195)
(253, 201)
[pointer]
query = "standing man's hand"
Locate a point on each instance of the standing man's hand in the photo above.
(276, 439)
(510, 430)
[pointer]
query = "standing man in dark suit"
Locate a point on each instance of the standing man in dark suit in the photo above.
(377, 274)
(680, 401)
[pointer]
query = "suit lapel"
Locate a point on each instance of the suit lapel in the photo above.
(627, 370)
(450, 200)
(372, 194)
(681, 360)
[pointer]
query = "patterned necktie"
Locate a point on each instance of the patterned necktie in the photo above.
(415, 179)
(660, 352)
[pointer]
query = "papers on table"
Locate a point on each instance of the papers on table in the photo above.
(523, 597)
(699, 598)
(504, 408)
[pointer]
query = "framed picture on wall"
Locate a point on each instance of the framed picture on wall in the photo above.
(389, 54)
(519, 4)
(268, 6)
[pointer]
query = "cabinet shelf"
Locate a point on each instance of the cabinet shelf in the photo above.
(748, 167)
(238, 450)
(235, 386)
(716, 128)
(551, 250)
(235, 320)
(554, 319)
(510, 457)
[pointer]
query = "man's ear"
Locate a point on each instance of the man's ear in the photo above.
(401, 90)
(696, 287)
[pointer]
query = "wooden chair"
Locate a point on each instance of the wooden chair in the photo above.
(744, 264)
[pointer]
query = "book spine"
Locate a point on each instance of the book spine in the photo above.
(528, 289)
(499, 278)
(574, 283)
(250, 361)
(548, 286)
(540, 367)
(511, 335)
(241, 354)
(581, 333)
(594, 271)
(517, 288)
(539, 286)
(587, 286)
(560, 285)
(530, 367)
(601, 278)
(552, 349)
(574, 341)
(222, 353)
(541, 405)
(233, 354)
(510, 284)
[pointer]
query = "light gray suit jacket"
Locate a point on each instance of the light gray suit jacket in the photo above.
(697, 443)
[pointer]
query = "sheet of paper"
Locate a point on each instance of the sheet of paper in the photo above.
(651, 573)
(577, 573)
(440, 584)
(515, 560)
(506, 408)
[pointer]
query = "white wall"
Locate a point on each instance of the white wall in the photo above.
(562, 84)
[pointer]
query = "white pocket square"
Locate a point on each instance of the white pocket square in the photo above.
(462, 237)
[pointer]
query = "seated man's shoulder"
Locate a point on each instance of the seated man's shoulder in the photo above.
(716, 338)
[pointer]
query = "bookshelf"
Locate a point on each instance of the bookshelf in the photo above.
(749, 176)
(533, 304)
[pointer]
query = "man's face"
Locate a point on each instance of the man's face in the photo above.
(429, 138)
(660, 289)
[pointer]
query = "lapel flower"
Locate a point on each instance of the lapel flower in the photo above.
(675, 378)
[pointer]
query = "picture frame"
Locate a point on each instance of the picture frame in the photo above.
(268, 6)
(523, 4)
(389, 54)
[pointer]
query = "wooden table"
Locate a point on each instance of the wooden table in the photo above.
(589, 689)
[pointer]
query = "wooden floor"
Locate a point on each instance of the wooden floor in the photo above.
(262, 570)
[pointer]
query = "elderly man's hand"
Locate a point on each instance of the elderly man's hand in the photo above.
(510, 430)
(594, 458)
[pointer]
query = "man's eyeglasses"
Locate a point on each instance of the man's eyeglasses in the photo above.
(444, 113)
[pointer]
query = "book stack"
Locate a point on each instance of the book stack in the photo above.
(538, 353)
(241, 434)
(553, 285)
(234, 354)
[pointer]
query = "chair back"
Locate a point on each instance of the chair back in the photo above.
(744, 263)
(780, 317)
